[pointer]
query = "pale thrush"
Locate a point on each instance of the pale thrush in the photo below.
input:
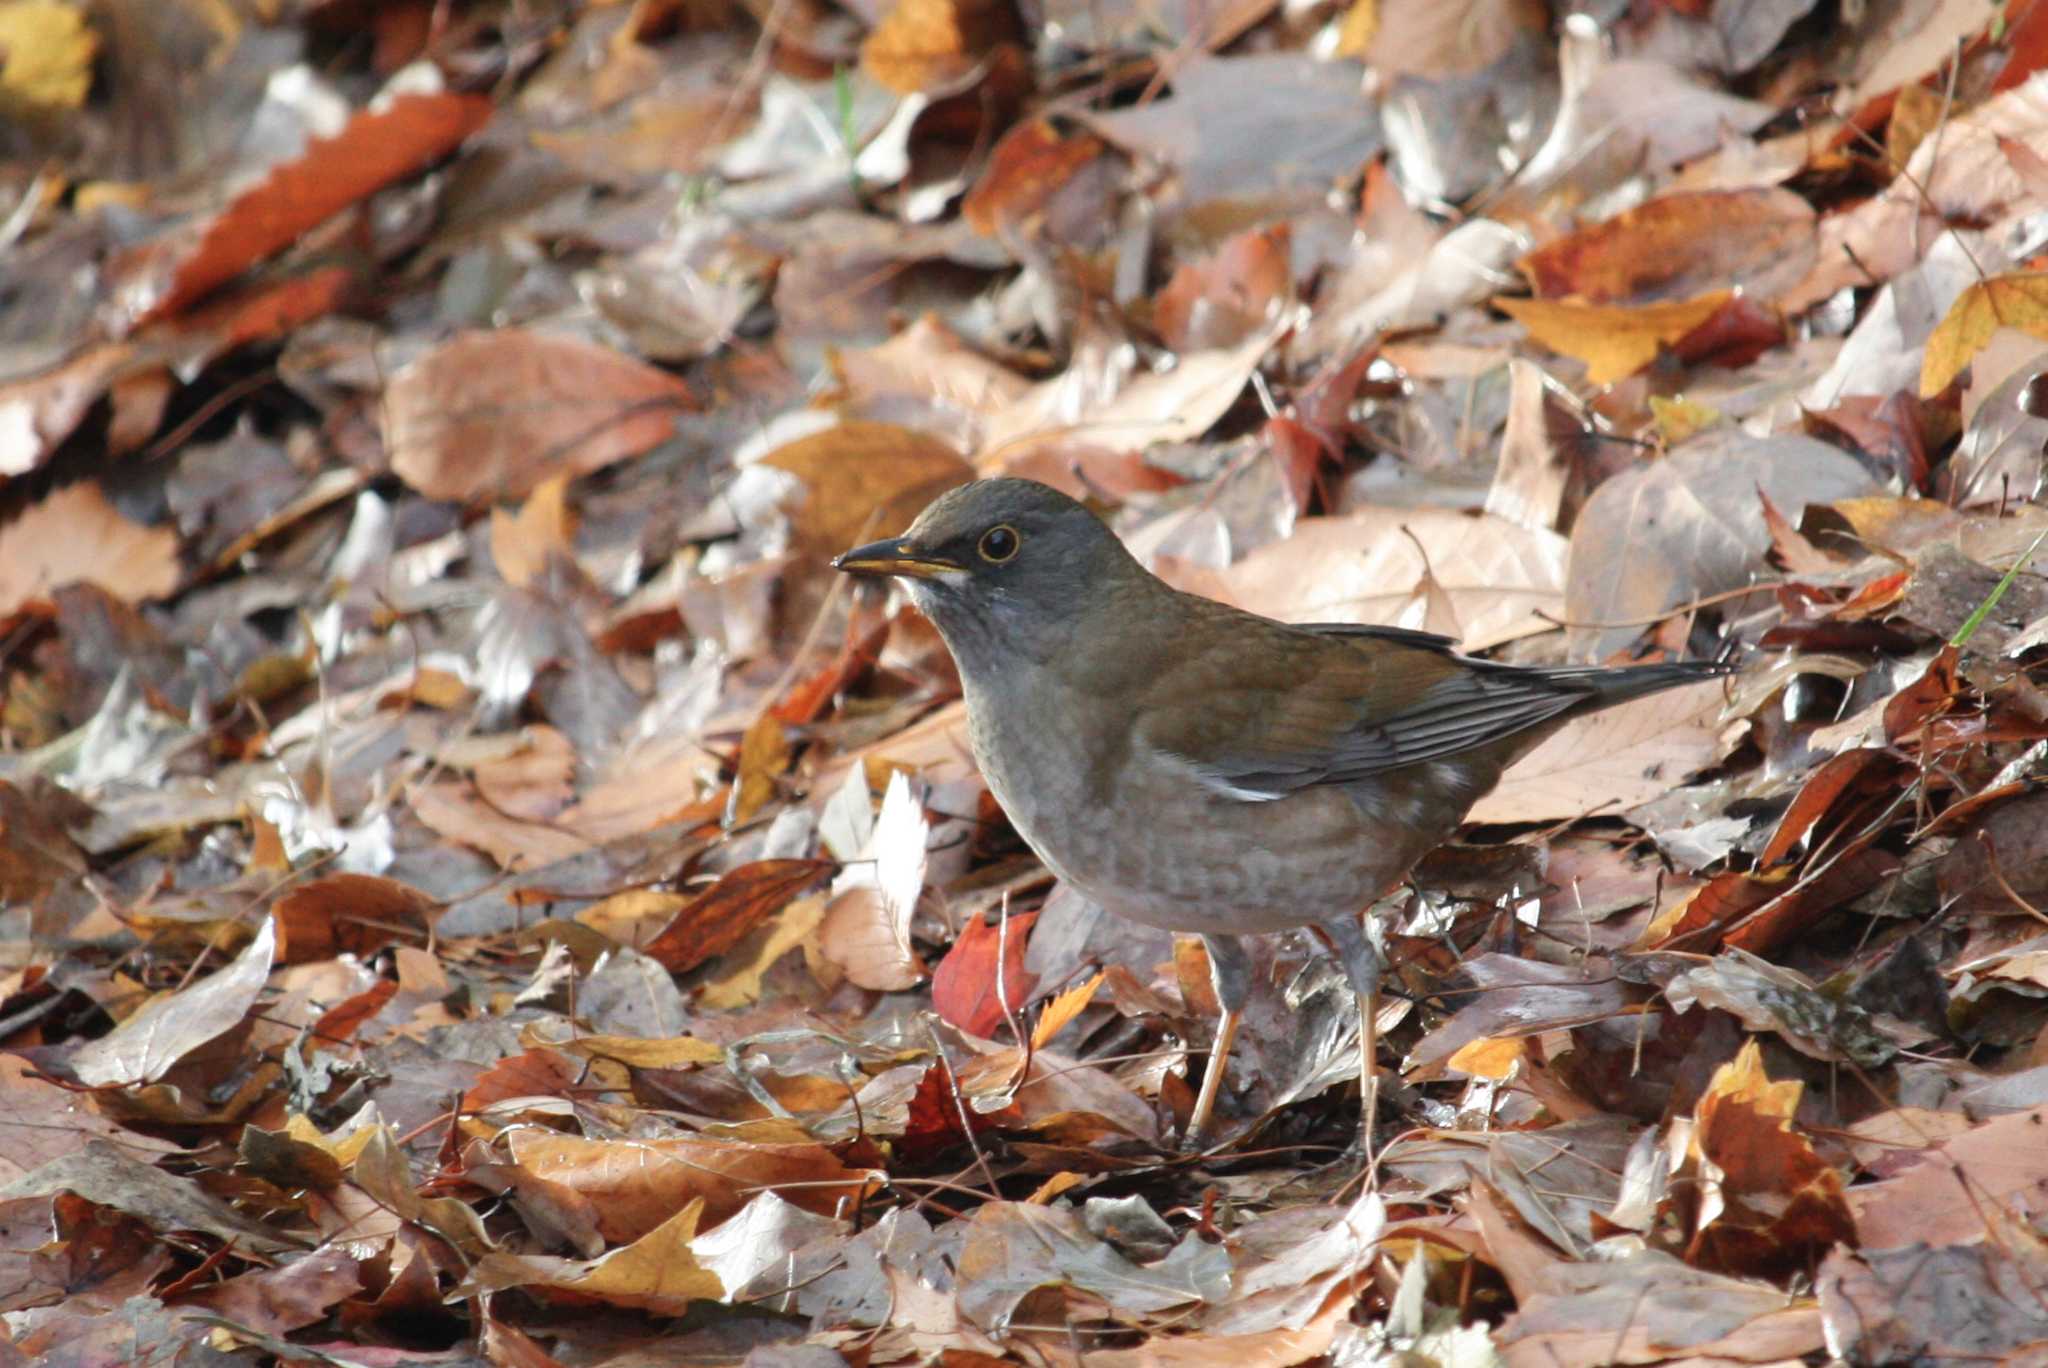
(1203, 769)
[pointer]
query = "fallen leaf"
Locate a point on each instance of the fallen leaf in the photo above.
(357, 914)
(1615, 341)
(2007, 301)
(1061, 1011)
(46, 55)
(523, 543)
(637, 1184)
(1613, 759)
(77, 536)
(1667, 532)
(173, 1024)
(982, 983)
(497, 414)
(923, 45)
(717, 919)
(1378, 565)
(863, 480)
(1679, 247)
(377, 147)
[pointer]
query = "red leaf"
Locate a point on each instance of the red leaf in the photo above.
(964, 985)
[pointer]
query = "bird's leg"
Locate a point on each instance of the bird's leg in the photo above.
(1230, 973)
(1362, 966)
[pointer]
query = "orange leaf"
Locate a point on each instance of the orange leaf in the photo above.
(375, 149)
(544, 526)
(1677, 245)
(1029, 166)
(1062, 1010)
(927, 44)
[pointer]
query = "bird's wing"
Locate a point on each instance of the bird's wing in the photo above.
(1312, 707)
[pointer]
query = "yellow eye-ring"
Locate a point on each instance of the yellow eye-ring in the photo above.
(1000, 543)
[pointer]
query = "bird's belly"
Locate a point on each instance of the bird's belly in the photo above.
(1157, 847)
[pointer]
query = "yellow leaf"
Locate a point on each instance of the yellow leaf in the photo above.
(1615, 341)
(667, 1052)
(1064, 1180)
(755, 954)
(1679, 418)
(764, 755)
(46, 54)
(1361, 22)
(2007, 301)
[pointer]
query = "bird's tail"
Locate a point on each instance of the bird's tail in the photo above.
(1606, 685)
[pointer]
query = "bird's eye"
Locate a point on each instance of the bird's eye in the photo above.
(999, 543)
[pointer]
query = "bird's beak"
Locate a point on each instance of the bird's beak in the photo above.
(895, 556)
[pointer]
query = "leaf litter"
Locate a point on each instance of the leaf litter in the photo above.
(469, 866)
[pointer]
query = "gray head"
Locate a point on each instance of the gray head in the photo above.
(1001, 567)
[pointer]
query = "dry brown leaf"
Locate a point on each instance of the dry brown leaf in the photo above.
(863, 939)
(1613, 759)
(497, 414)
(39, 411)
(1767, 1200)
(1176, 405)
(864, 480)
(1374, 566)
(1946, 1196)
(1662, 534)
(1529, 482)
(636, 1184)
(1965, 175)
(1062, 1010)
(2019, 302)
(717, 919)
(1032, 163)
(1614, 341)
(655, 1273)
(796, 925)
(535, 780)
(76, 536)
(764, 755)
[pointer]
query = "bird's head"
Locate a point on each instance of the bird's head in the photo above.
(1002, 566)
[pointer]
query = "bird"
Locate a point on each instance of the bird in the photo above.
(1205, 770)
